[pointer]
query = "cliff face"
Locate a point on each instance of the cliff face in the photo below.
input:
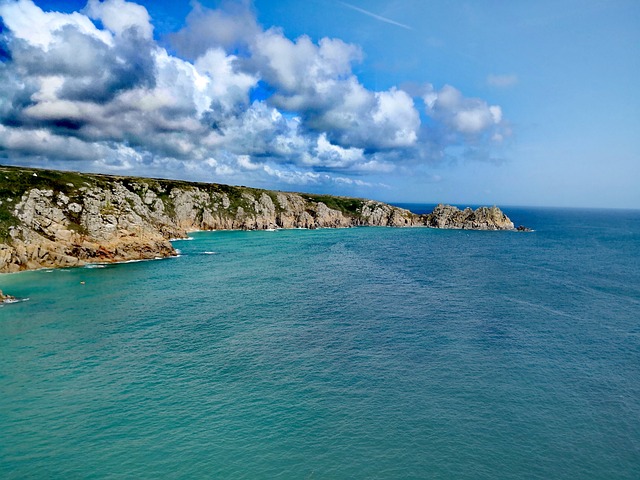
(60, 219)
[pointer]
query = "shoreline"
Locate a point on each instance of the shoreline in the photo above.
(189, 238)
(61, 219)
(9, 299)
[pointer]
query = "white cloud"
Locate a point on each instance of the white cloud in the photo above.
(42, 143)
(29, 22)
(502, 81)
(55, 109)
(120, 15)
(293, 177)
(327, 149)
(300, 70)
(375, 166)
(225, 84)
(231, 26)
(395, 113)
(327, 155)
(109, 97)
(317, 81)
(244, 162)
(469, 116)
(297, 177)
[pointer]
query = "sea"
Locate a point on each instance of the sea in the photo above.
(367, 353)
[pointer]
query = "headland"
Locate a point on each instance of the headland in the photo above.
(51, 219)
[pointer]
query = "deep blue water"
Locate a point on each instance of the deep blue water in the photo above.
(357, 353)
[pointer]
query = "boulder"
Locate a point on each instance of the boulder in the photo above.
(6, 298)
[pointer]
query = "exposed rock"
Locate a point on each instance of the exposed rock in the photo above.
(6, 298)
(383, 215)
(484, 218)
(98, 218)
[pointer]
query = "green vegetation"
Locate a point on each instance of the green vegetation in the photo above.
(347, 205)
(15, 181)
(7, 220)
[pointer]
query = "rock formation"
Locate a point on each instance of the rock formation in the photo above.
(484, 218)
(62, 219)
(6, 298)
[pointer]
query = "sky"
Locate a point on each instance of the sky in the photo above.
(483, 102)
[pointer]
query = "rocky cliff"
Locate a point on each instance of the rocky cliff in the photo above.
(484, 218)
(6, 298)
(59, 219)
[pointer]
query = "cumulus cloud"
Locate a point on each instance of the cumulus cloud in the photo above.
(231, 27)
(43, 143)
(316, 80)
(227, 85)
(468, 116)
(328, 155)
(119, 16)
(30, 23)
(237, 103)
(301, 68)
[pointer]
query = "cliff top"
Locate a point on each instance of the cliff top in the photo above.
(52, 218)
(16, 181)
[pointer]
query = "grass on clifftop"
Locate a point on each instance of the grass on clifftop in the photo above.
(15, 181)
(347, 205)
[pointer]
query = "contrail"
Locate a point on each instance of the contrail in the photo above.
(377, 17)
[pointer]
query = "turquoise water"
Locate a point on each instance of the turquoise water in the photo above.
(356, 353)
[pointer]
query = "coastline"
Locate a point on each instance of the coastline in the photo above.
(64, 219)
(177, 253)
(286, 298)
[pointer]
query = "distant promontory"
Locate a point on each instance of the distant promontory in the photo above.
(62, 219)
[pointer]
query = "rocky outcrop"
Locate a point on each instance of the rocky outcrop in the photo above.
(95, 225)
(484, 218)
(63, 219)
(381, 214)
(6, 298)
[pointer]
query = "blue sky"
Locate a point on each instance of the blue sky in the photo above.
(510, 103)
